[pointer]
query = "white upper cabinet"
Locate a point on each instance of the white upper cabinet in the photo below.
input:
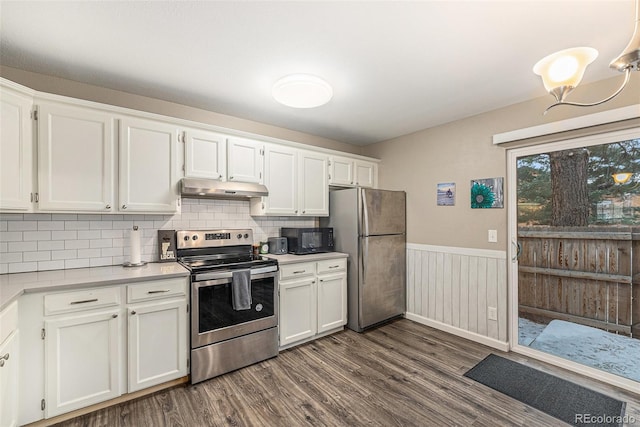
(341, 171)
(148, 166)
(297, 183)
(351, 172)
(313, 184)
(244, 162)
(15, 151)
(366, 174)
(280, 178)
(75, 159)
(205, 155)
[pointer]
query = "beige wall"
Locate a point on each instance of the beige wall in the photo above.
(58, 86)
(461, 151)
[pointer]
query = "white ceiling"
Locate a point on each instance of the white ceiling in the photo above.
(396, 67)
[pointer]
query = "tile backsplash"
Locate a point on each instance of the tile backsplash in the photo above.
(35, 242)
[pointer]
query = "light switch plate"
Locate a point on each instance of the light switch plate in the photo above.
(493, 236)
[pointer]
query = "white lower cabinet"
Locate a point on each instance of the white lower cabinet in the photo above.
(297, 310)
(9, 374)
(313, 299)
(82, 360)
(157, 343)
(82, 351)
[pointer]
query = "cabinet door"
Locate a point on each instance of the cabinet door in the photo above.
(15, 152)
(157, 343)
(75, 159)
(148, 173)
(82, 355)
(332, 301)
(205, 155)
(280, 167)
(9, 381)
(313, 184)
(245, 160)
(298, 305)
(366, 174)
(341, 171)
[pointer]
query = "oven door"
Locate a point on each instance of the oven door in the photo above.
(213, 318)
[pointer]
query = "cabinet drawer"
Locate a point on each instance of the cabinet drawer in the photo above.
(86, 299)
(332, 265)
(290, 271)
(157, 289)
(8, 321)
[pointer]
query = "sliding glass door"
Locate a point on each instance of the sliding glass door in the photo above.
(574, 223)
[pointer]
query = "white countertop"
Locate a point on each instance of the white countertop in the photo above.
(292, 259)
(14, 285)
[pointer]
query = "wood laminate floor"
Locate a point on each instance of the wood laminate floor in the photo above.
(401, 374)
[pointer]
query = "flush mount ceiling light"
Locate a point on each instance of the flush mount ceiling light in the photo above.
(302, 91)
(562, 71)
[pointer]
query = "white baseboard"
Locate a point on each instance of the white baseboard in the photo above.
(500, 345)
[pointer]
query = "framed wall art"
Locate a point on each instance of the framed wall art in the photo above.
(487, 193)
(446, 194)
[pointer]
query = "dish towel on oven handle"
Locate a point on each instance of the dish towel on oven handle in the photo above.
(241, 289)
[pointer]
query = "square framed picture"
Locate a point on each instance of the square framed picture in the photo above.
(487, 193)
(446, 194)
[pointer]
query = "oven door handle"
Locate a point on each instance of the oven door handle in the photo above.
(214, 278)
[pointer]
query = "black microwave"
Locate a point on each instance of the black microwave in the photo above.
(302, 241)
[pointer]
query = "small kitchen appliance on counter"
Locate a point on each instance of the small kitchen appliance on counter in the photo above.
(302, 241)
(278, 245)
(167, 245)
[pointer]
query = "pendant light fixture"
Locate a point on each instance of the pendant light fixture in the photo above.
(562, 71)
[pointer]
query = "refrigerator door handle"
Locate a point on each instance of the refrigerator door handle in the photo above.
(365, 255)
(365, 212)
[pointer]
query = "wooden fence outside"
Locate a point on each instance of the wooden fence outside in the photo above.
(586, 275)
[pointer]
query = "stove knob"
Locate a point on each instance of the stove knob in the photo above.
(246, 236)
(195, 237)
(186, 238)
(239, 236)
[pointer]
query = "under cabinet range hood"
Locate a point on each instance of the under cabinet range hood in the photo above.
(213, 189)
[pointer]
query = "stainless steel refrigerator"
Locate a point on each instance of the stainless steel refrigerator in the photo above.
(370, 226)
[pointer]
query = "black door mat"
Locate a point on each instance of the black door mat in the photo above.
(564, 400)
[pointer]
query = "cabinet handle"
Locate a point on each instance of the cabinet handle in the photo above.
(231, 177)
(158, 292)
(37, 197)
(3, 358)
(313, 281)
(108, 207)
(334, 266)
(329, 176)
(31, 197)
(114, 315)
(133, 312)
(83, 301)
(299, 272)
(304, 211)
(296, 210)
(124, 206)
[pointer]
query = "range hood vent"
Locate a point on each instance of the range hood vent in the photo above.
(197, 188)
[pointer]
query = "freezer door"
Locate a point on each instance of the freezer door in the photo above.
(382, 279)
(382, 212)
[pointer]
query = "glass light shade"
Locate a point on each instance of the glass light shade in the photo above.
(565, 68)
(302, 91)
(621, 178)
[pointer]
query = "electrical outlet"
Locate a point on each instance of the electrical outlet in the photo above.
(492, 313)
(493, 236)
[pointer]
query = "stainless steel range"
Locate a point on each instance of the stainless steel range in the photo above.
(234, 301)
